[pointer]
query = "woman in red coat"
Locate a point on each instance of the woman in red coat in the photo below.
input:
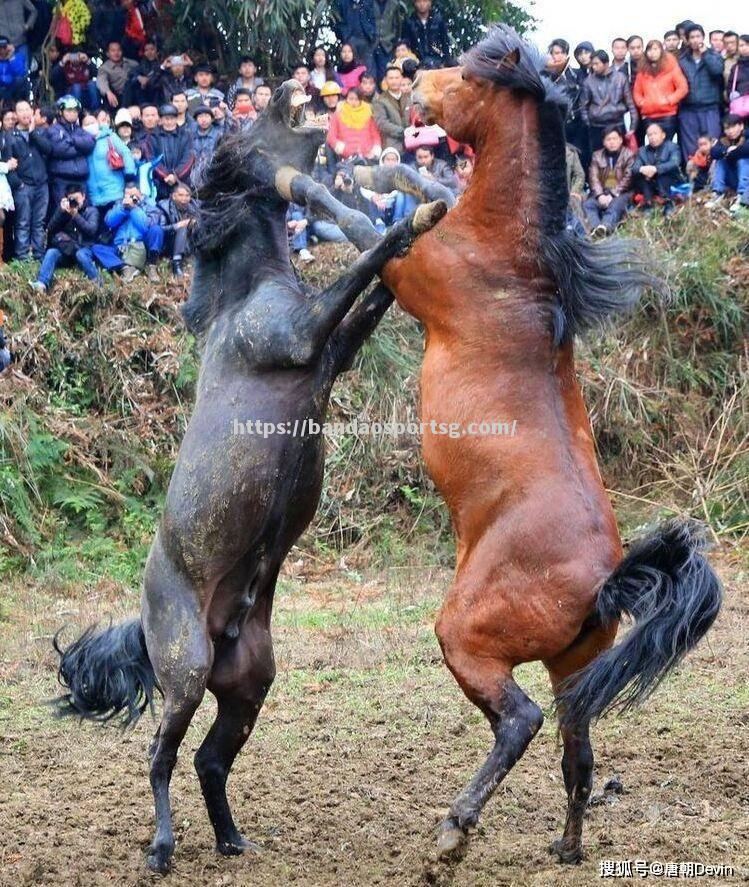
(659, 87)
(353, 131)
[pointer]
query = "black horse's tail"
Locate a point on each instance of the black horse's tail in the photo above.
(107, 673)
(673, 595)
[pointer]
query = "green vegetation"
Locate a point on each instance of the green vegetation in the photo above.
(92, 415)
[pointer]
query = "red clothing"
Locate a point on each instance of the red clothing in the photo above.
(659, 95)
(358, 140)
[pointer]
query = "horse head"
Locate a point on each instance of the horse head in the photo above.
(281, 132)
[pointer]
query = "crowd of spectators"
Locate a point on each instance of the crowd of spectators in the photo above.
(104, 177)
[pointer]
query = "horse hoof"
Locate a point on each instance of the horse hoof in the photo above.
(452, 839)
(427, 215)
(567, 855)
(159, 860)
(237, 846)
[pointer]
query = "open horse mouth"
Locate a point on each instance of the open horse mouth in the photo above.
(297, 102)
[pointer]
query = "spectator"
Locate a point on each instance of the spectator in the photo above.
(353, 131)
(70, 148)
(699, 165)
(576, 218)
(175, 77)
(134, 238)
(432, 168)
(174, 144)
(619, 57)
(261, 98)
(426, 34)
(738, 80)
(672, 43)
(636, 47)
(392, 109)
(320, 72)
(30, 148)
(184, 119)
(243, 112)
(146, 141)
(124, 127)
(349, 70)
(700, 110)
(731, 156)
(14, 84)
(17, 18)
(355, 25)
(145, 86)
(716, 41)
(72, 233)
(464, 167)
(583, 56)
(367, 87)
(78, 78)
(330, 95)
(566, 79)
(204, 140)
(296, 225)
(610, 179)
(659, 88)
(175, 218)
(605, 99)
(248, 78)
(657, 168)
(204, 92)
(5, 357)
(730, 53)
(110, 166)
(9, 120)
(7, 167)
(114, 77)
(387, 25)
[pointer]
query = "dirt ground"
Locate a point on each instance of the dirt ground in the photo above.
(362, 744)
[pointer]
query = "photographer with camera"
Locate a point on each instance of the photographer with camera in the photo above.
(78, 73)
(71, 235)
(134, 237)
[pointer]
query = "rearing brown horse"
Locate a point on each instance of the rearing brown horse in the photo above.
(501, 288)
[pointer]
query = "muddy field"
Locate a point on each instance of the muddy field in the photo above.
(362, 744)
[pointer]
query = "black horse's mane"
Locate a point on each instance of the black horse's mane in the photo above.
(593, 280)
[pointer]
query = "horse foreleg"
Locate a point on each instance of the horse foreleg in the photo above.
(384, 179)
(181, 653)
(243, 672)
(356, 327)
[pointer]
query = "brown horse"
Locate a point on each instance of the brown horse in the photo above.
(501, 288)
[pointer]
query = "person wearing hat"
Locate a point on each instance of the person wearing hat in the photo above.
(204, 139)
(14, 83)
(330, 93)
(204, 92)
(174, 144)
(123, 126)
(113, 79)
(70, 147)
(248, 79)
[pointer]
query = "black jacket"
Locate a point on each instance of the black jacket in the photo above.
(31, 154)
(429, 40)
(69, 233)
(168, 213)
(178, 156)
(666, 158)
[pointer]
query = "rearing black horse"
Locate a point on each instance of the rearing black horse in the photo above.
(238, 498)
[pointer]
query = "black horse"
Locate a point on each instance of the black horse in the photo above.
(249, 473)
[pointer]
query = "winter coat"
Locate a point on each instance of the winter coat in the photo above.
(658, 95)
(6, 195)
(31, 150)
(169, 85)
(604, 100)
(740, 71)
(705, 80)
(70, 147)
(17, 17)
(347, 79)
(12, 69)
(355, 20)
(105, 185)
(429, 39)
(392, 116)
(77, 72)
(357, 141)
(66, 232)
(178, 156)
(740, 149)
(129, 225)
(599, 167)
(231, 92)
(168, 215)
(204, 145)
(568, 83)
(387, 15)
(666, 158)
(442, 173)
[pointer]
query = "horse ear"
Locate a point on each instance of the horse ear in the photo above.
(511, 60)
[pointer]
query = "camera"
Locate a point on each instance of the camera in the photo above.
(135, 199)
(347, 180)
(73, 202)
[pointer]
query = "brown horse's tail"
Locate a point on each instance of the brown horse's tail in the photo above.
(107, 673)
(673, 595)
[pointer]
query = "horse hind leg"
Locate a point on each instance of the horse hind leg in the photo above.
(243, 672)
(514, 719)
(181, 653)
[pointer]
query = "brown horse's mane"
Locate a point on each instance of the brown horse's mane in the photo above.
(593, 280)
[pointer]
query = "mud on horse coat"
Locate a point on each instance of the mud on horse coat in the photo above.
(237, 501)
(502, 288)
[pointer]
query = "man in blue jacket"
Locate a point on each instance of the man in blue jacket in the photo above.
(657, 169)
(28, 181)
(356, 25)
(14, 83)
(70, 147)
(134, 237)
(699, 112)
